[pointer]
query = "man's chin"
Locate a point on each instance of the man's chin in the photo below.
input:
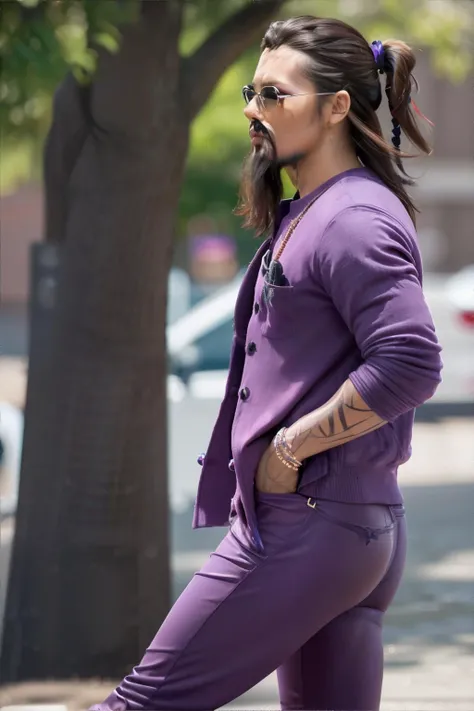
(289, 161)
(279, 162)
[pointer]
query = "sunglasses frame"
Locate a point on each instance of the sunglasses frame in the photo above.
(279, 96)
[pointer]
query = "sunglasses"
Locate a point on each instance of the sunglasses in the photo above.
(270, 96)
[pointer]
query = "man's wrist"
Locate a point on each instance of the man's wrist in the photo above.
(296, 443)
(283, 450)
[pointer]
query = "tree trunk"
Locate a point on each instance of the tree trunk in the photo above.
(89, 580)
(92, 525)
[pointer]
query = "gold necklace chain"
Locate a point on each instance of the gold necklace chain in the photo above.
(293, 225)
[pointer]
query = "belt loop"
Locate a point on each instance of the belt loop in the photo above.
(312, 503)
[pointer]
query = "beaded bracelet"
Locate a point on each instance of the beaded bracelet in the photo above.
(285, 462)
(285, 447)
(283, 457)
(284, 452)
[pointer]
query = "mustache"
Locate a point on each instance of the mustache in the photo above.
(280, 161)
(259, 127)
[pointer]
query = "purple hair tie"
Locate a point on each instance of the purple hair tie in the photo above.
(378, 51)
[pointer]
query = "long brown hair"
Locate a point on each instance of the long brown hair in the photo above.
(341, 58)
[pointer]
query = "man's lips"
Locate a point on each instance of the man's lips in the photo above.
(256, 137)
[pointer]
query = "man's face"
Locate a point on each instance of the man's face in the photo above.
(293, 122)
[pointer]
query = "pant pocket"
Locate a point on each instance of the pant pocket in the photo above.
(371, 522)
(280, 518)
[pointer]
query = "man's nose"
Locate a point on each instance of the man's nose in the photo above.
(252, 110)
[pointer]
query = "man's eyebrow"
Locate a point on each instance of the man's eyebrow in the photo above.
(268, 81)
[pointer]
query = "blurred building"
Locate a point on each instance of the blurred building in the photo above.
(446, 188)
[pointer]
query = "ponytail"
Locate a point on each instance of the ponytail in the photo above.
(396, 60)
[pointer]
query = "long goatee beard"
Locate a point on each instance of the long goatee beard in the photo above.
(261, 188)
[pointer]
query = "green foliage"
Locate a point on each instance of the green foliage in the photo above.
(39, 40)
(202, 17)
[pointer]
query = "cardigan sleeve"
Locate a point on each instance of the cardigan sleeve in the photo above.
(369, 265)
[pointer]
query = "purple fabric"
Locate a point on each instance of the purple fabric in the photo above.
(311, 606)
(379, 54)
(354, 309)
(369, 269)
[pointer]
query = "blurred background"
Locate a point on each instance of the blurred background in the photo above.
(120, 263)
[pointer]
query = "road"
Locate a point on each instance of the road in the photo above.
(429, 634)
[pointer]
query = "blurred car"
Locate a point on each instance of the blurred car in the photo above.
(201, 339)
(460, 292)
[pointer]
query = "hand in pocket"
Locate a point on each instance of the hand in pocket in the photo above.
(274, 477)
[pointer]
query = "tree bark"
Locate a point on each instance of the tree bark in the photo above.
(89, 580)
(64, 143)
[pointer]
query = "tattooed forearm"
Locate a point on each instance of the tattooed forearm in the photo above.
(343, 418)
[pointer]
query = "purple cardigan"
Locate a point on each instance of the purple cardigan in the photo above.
(354, 308)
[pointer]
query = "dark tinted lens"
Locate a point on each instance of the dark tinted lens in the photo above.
(269, 94)
(248, 93)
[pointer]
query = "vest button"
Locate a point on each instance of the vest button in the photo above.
(231, 466)
(200, 459)
(251, 348)
(244, 394)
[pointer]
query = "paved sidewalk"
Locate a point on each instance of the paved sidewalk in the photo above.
(442, 680)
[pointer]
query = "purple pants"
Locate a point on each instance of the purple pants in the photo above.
(311, 606)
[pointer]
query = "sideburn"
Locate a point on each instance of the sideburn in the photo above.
(261, 188)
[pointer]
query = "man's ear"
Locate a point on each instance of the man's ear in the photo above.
(340, 107)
